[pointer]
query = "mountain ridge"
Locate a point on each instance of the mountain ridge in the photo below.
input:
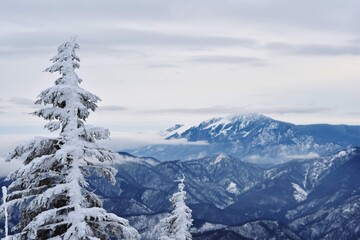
(270, 194)
(231, 197)
(254, 138)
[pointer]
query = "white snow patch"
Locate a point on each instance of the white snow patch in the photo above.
(232, 188)
(245, 134)
(219, 158)
(224, 130)
(273, 173)
(219, 121)
(209, 226)
(299, 194)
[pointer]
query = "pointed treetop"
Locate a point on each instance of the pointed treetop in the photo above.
(73, 38)
(181, 184)
(66, 61)
(68, 105)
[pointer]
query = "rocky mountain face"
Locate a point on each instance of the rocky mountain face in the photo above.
(254, 138)
(258, 229)
(233, 199)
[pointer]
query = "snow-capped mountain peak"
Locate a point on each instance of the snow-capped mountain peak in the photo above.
(254, 137)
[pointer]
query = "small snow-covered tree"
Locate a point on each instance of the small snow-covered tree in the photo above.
(50, 191)
(177, 225)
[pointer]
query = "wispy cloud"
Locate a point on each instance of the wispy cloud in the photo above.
(319, 14)
(22, 101)
(307, 156)
(40, 42)
(294, 110)
(355, 41)
(162, 65)
(205, 110)
(15, 101)
(222, 59)
(314, 49)
(120, 41)
(127, 140)
(112, 108)
(244, 109)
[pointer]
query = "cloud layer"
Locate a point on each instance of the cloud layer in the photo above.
(157, 63)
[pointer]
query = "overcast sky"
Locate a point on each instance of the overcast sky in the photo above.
(155, 63)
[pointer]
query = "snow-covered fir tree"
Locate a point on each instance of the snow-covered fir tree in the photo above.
(177, 225)
(50, 190)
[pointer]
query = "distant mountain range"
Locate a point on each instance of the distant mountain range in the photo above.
(314, 194)
(233, 199)
(254, 138)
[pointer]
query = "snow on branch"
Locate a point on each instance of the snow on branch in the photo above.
(37, 147)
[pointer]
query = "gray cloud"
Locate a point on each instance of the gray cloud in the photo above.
(321, 14)
(207, 110)
(135, 37)
(244, 109)
(118, 43)
(160, 65)
(116, 40)
(228, 60)
(103, 26)
(355, 41)
(352, 113)
(22, 101)
(8, 103)
(314, 49)
(124, 41)
(295, 110)
(154, 38)
(112, 108)
(164, 34)
(69, 11)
